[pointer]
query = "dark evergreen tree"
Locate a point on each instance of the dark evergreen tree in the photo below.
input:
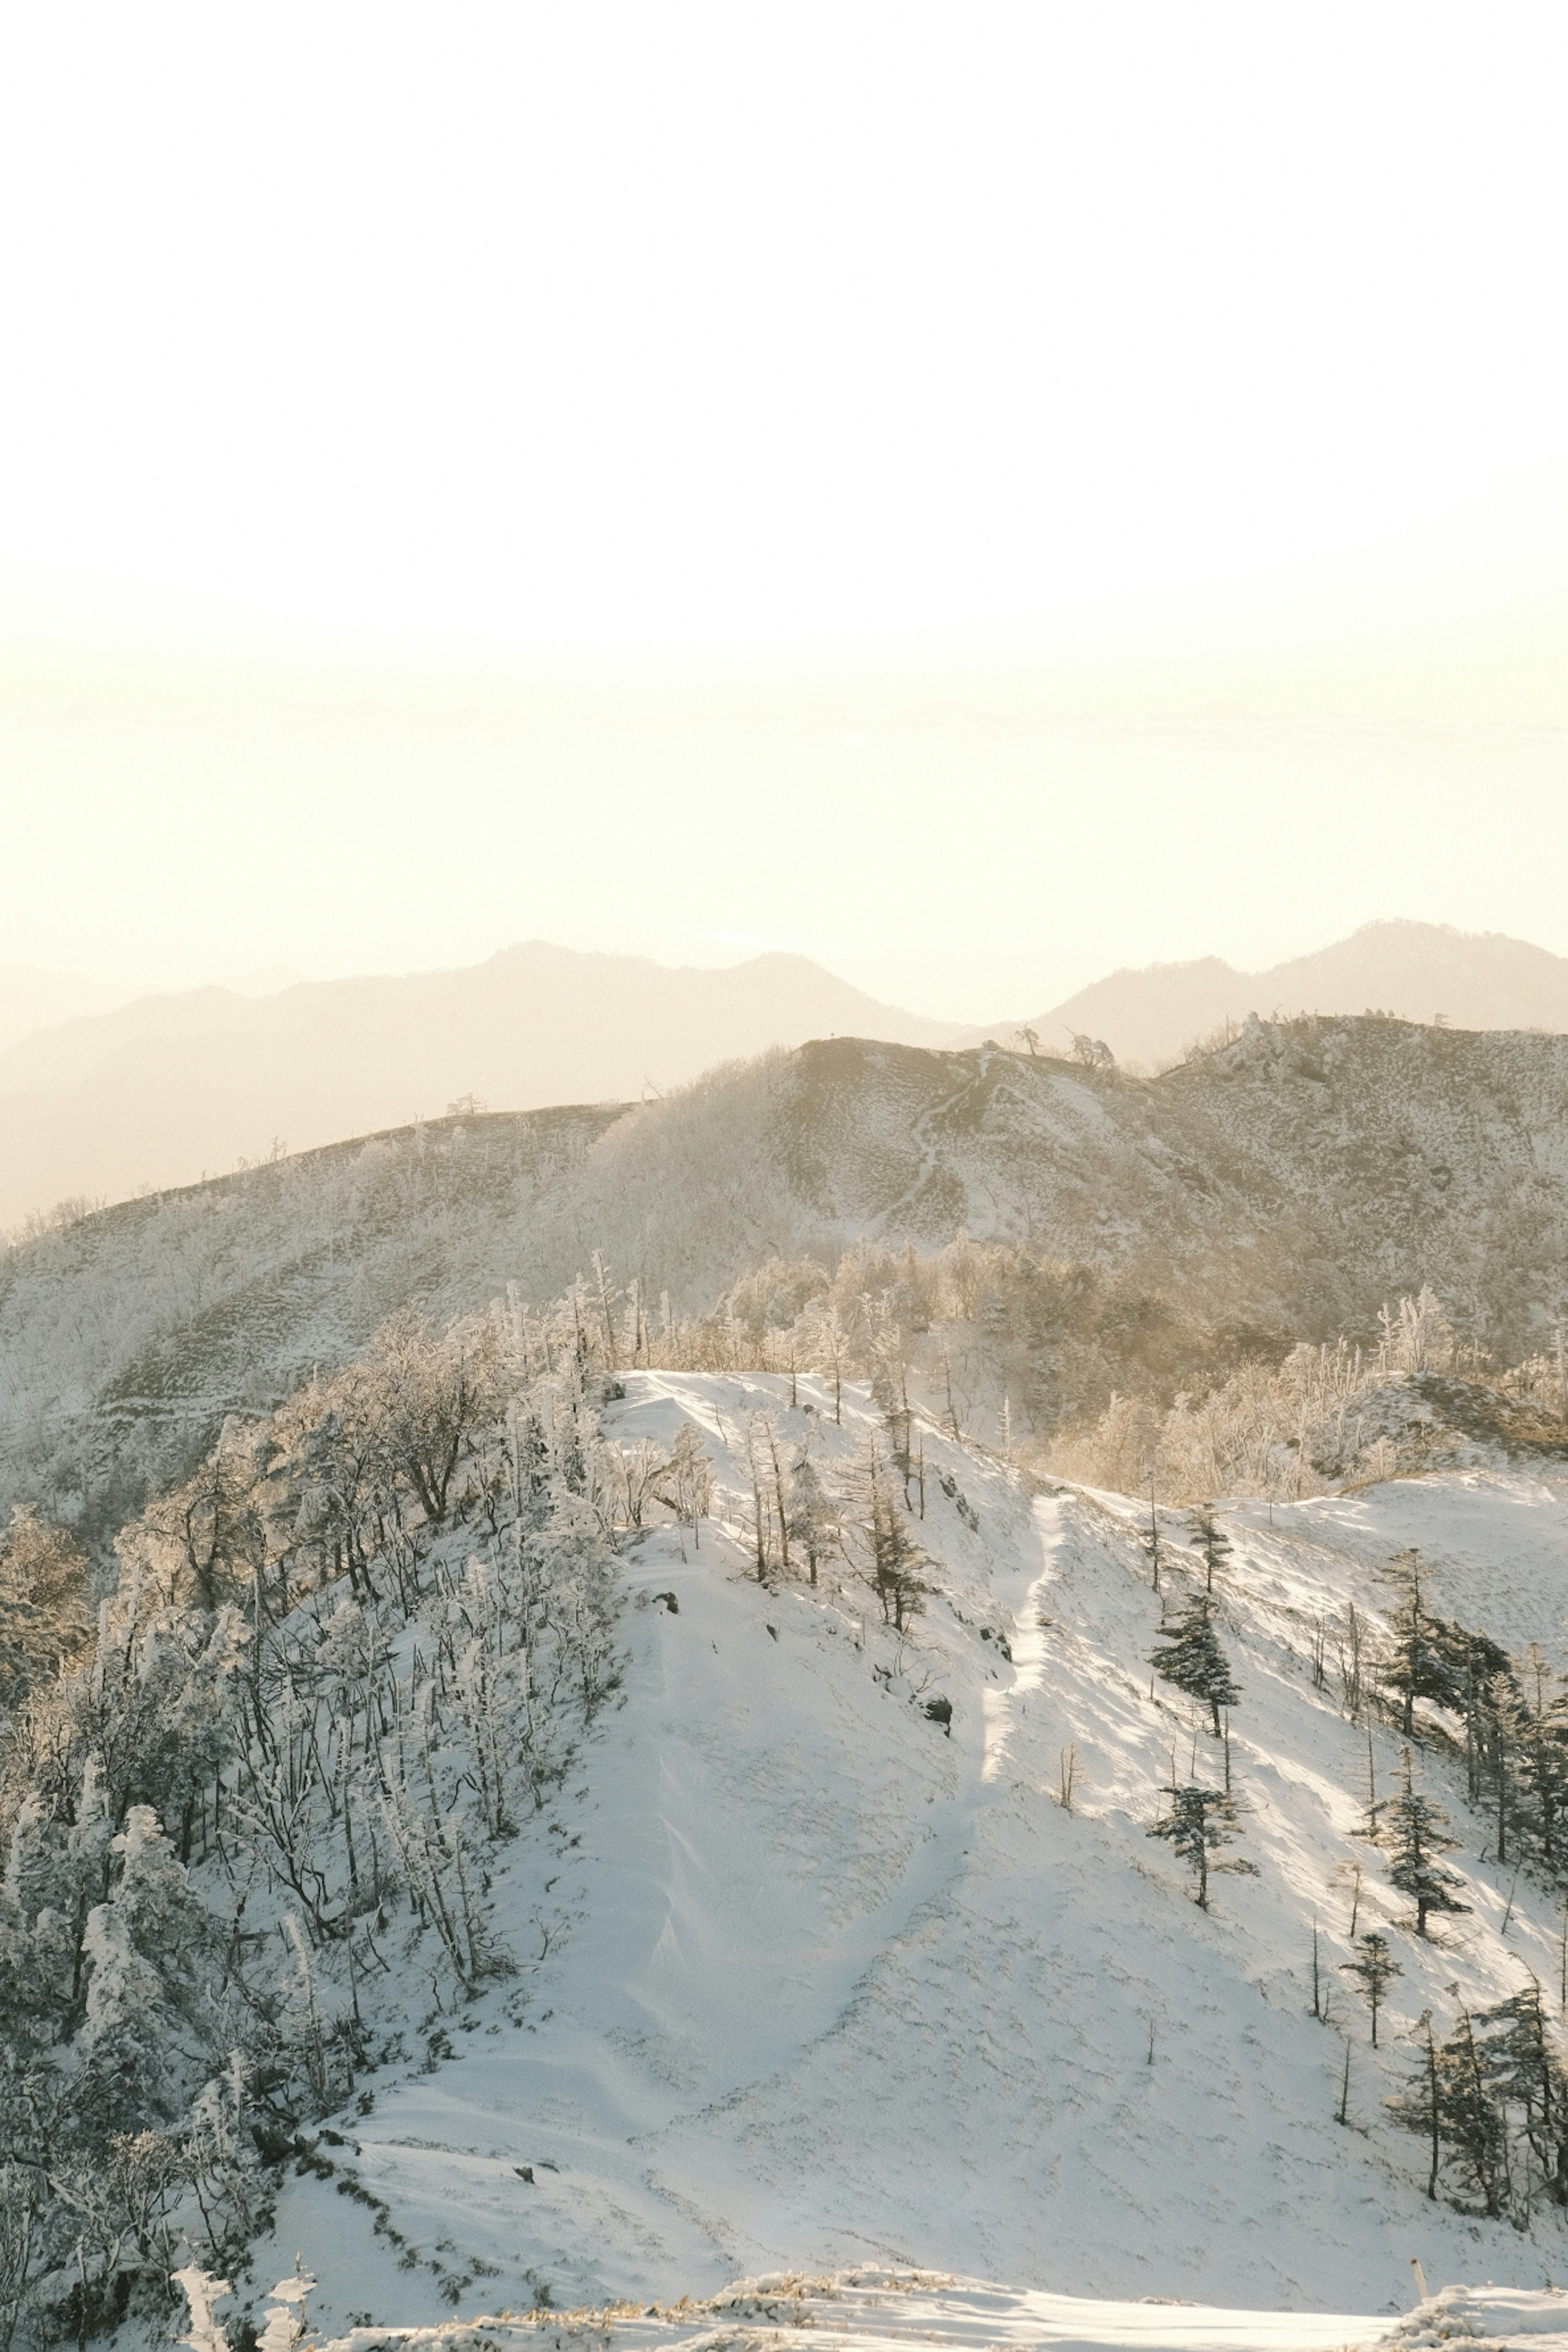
(1508, 1737)
(1211, 1541)
(1418, 2106)
(1375, 1970)
(892, 1559)
(1416, 1665)
(1192, 1660)
(1521, 2068)
(1413, 1830)
(1200, 1822)
(1153, 1542)
(1471, 1660)
(1472, 2120)
(1543, 1759)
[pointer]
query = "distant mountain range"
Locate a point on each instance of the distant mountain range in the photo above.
(31, 1000)
(102, 1099)
(161, 1090)
(1421, 972)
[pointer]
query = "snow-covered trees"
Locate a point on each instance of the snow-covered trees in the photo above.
(44, 1612)
(203, 1543)
(149, 1949)
(1414, 1830)
(1491, 2103)
(685, 1484)
(883, 1541)
(347, 1657)
(811, 1519)
(1470, 2120)
(1200, 1822)
(1191, 1657)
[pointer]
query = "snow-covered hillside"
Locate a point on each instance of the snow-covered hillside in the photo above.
(807, 1982)
(1282, 1188)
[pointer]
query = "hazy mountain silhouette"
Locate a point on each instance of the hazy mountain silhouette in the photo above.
(161, 1090)
(31, 999)
(1421, 972)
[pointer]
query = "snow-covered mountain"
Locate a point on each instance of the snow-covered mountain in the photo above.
(1418, 972)
(166, 1089)
(523, 1831)
(810, 1978)
(1283, 1188)
(161, 1090)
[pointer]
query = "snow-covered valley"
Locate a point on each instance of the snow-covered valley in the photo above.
(809, 1981)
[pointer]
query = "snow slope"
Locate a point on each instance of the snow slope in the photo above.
(804, 1982)
(872, 2311)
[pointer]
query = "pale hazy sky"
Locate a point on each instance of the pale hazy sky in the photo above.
(977, 494)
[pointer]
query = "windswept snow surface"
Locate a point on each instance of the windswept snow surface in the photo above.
(804, 1983)
(872, 2311)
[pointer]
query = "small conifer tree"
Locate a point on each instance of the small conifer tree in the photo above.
(1508, 1741)
(810, 1516)
(1414, 1829)
(1200, 1822)
(1419, 2105)
(1212, 1542)
(1472, 2120)
(1192, 1660)
(1545, 1756)
(1416, 1667)
(1153, 1542)
(1522, 2069)
(1375, 1970)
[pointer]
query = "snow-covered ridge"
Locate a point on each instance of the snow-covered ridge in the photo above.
(1284, 1188)
(824, 1984)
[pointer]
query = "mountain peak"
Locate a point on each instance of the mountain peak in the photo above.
(1428, 972)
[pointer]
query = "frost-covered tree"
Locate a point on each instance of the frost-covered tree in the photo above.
(203, 1543)
(812, 1518)
(434, 1391)
(148, 2011)
(685, 1486)
(330, 1474)
(1191, 1657)
(46, 1618)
